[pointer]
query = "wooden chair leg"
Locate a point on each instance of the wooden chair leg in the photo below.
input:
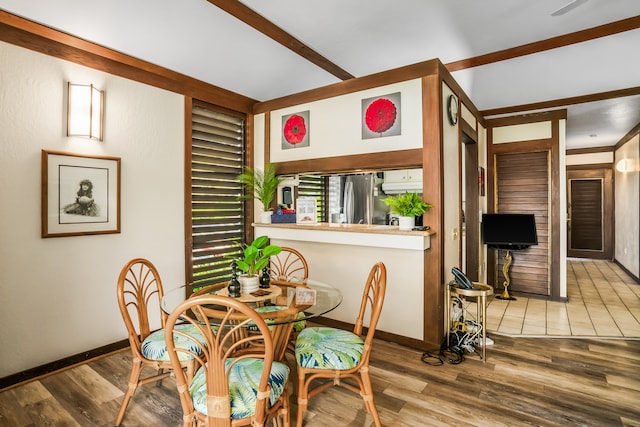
(136, 370)
(367, 395)
(303, 398)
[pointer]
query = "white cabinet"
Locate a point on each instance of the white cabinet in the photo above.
(401, 181)
(403, 175)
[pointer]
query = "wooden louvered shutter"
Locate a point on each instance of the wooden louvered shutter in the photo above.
(315, 186)
(523, 186)
(217, 210)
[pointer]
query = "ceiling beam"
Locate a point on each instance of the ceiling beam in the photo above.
(269, 29)
(563, 102)
(548, 44)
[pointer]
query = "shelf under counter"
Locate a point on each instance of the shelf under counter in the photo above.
(371, 235)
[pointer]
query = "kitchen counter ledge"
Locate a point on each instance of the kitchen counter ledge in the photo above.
(386, 236)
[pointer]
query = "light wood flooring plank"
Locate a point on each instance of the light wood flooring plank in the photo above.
(524, 382)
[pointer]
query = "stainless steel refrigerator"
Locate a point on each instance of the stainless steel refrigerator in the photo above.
(360, 199)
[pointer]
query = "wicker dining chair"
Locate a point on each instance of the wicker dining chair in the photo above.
(289, 265)
(139, 289)
(236, 381)
(335, 354)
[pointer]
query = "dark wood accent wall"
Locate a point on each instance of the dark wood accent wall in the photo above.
(550, 149)
(433, 190)
(522, 186)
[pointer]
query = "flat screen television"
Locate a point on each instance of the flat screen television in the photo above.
(509, 230)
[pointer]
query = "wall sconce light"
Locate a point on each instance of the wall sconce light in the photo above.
(84, 111)
(623, 165)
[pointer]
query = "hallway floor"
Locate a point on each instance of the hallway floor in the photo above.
(603, 302)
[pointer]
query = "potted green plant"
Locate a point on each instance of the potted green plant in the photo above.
(254, 258)
(408, 206)
(261, 185)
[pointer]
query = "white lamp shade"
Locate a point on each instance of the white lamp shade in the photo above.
(84, 111)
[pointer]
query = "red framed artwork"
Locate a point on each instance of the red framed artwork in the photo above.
(381, 116)
(295, 130)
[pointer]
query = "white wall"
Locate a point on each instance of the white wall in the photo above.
(589, 158)
(626, 199)
(58, 294)
(450, 169)
(627, 216)
(335, 125)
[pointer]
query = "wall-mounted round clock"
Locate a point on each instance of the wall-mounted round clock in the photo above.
(452, 109)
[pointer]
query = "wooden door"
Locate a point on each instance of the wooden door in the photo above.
(523, 186)
(590, 216)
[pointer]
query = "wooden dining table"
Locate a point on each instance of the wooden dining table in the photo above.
(283, 304)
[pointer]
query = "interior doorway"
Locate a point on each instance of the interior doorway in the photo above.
(470, 208)
(590, 213)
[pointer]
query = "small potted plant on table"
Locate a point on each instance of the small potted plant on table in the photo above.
(261, 185)
(408, 206)
(254, 258)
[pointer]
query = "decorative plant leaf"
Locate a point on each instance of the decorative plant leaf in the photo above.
(256, 255)
(407, 204)
(261, 185)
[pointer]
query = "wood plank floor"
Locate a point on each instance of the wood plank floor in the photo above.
(525, 382)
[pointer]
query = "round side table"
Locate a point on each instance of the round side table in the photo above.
(480, 291)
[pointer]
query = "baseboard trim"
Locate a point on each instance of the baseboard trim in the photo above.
(386, 336)
(19, 378)
(627, 271)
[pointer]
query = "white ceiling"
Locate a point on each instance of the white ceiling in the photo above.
(198, 39)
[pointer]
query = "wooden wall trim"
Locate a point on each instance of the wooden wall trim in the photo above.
(563, 102)
(386, 336)
(68, 362)
(188, 189)
(468, 130)
(526, 119)
(555, 214)
(590, 166)
(628, 137)
(366, 162)
(249, 150)
(548, 44)
(520, 146)
(592, 150)
(408, 72)
(39, 38)
(433, 190)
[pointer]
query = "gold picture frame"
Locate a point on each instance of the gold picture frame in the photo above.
(80, 194)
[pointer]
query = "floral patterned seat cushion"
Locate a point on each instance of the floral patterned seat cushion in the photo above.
(155, 348)
(328, 348)
(243, 383)
(297, 327)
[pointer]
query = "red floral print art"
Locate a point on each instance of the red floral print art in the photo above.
(295, 129)
(380, 115)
